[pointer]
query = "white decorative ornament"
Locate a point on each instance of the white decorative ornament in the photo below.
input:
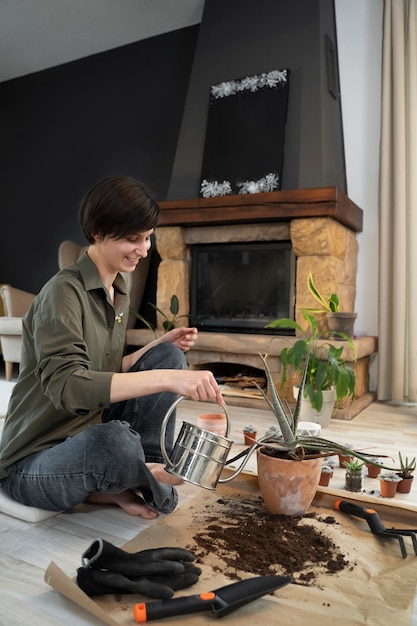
(250, 83)
(270, 182)
(212, 188)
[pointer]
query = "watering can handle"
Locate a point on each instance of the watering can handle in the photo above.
(165, 422)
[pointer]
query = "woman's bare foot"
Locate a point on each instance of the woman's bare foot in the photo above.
(128, 500)
(159, 472)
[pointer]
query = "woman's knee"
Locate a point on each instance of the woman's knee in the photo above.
(162, 356)
(114, 442)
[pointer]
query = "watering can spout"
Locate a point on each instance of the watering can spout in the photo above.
(199, 456)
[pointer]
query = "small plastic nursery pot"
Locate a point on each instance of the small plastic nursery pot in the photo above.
(325, 476)
(404, 486)
(249, 438)
(388, 485)
(373, 471)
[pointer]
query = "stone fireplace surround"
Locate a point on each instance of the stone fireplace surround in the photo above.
(321, 223)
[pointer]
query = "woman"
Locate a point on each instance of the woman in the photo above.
(84, 418)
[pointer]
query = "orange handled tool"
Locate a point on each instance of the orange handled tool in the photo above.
(376, 525)
(221, 601)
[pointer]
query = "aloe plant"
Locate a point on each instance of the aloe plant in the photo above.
(296, 446)
(407, 466)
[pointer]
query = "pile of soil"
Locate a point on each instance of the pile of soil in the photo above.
(245, 537)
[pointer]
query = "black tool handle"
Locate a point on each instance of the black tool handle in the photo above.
(370, 515)
(146, 611)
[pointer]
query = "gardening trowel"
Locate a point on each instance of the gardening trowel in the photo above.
(221, 601)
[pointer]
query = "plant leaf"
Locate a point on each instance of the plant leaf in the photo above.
(175, 305)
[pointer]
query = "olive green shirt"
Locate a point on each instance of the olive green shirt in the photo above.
(73, 342)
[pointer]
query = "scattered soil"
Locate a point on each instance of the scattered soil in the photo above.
(245, 537)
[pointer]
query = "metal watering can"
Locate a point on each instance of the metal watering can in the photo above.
(199, 456)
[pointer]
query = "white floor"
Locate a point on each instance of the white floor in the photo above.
(27, 549)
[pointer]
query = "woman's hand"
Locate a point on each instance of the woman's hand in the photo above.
(184, 338)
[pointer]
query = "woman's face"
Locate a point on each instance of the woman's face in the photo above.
(123, 255)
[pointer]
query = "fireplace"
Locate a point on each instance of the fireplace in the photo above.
(321, 225)
(241, 286)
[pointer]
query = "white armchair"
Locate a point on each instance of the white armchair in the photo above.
(15, 303)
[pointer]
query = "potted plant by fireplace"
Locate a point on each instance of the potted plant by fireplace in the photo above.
(169, 320)
(290, 464)
(329, 379)
(337, 321)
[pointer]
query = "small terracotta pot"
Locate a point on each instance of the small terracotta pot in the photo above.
(404, 486)
(373, 471)
(344, 458)
(213, 422)
(388, 488)
(325, 478)
(249, 438)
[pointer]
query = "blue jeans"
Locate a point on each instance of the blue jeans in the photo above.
(109, 457)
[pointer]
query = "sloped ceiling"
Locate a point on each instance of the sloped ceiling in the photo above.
(38, 34)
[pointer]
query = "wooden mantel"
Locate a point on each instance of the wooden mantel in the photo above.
(264, 207)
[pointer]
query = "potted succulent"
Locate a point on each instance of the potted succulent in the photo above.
(388, 483)
(327, 371)
(373, 470)
(249, 434)
(289, 464)
(337, 321)
(406, 473)
(345, 457)
(326, 475)
(354, 475)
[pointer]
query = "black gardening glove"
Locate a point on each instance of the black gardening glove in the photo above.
(104, 555)
(99, 582)
(156, 573)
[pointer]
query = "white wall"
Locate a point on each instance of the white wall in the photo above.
(359, 34)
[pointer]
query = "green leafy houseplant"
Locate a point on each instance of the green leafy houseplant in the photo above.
(325, 367)
(169, 322)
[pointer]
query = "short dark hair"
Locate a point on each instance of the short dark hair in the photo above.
(117, 206)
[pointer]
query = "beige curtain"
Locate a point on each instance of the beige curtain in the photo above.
(397, 360)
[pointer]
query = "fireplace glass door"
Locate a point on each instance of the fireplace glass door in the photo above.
(241, 287)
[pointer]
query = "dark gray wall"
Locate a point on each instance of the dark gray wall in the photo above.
(63, 129)
(142, 110)
(241, 38)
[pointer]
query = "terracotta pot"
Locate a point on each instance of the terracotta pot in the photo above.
(388, 488)
(344, 458)
(213, 422)
(404, 486)
(373, 472)
(287, 487)
(325, 478)
(249, 438)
